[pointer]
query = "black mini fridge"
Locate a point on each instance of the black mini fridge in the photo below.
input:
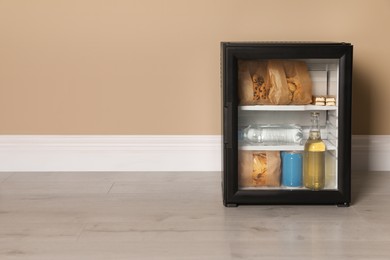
(286, 123)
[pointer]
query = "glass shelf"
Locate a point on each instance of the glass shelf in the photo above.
(253, 147)
(286, 108)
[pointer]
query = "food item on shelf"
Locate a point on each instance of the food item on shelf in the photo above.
(324, 100)
(319, 100)
(276, 82)
(259, 168)
(253, 83)
(299, 81)
(279, 93)
(291, 134)
(330, 100)
(260, 85)
(245, 84)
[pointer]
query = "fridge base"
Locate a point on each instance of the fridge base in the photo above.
(231, 205)
(343, 205)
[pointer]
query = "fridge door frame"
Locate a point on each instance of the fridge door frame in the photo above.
(230, 54)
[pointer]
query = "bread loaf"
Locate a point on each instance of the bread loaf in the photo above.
(253, 85)
(274, 82)
(245, 84)
(257, 169)
(260, 82)
(299, 82)
(279, 93)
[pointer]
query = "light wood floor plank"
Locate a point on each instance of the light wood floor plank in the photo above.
(163, 215)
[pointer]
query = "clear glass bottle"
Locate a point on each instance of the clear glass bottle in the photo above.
(314, 157)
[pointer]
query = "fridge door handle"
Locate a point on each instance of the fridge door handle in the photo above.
(227, 124)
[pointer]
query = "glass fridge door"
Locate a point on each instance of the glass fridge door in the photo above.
(286, 123)
(276, 102)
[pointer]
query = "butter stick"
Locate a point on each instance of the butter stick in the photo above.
(330, 101)
(319, 100)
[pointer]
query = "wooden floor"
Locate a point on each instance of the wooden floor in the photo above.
(180, 216)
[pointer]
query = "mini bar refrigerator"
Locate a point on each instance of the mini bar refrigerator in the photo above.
(279, 99)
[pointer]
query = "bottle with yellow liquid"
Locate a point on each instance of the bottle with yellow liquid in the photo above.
(314, 157)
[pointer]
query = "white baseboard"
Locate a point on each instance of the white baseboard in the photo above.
(370, 153)
(110, 153)
(148, 153)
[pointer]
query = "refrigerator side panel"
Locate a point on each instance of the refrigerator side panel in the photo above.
(345, 97)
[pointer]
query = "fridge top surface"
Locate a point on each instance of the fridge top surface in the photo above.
(282, 43)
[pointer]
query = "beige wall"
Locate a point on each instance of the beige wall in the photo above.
(152, 66)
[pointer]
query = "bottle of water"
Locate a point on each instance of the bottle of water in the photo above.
(272, 134)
